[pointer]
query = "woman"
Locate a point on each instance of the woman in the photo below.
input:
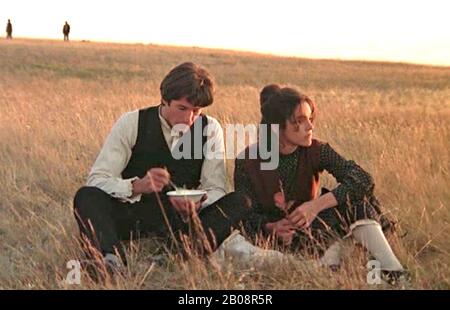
(285, 201)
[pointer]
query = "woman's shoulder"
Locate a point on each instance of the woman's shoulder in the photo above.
(250, 152)
(316, 147)
(315, 151)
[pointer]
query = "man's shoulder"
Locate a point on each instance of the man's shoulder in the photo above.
(130, 115)
(128, 118)
(213, 122)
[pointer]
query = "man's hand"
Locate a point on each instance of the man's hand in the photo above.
(153, 181)
(186, 207)
(303, 215)
(282, 229)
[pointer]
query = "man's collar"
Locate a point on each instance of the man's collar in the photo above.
(163, 121)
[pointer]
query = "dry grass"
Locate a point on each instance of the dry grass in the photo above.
(58, 101)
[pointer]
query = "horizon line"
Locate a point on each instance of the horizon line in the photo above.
(237, 50)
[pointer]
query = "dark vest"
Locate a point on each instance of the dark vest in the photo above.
(151, 151)
(267, 182)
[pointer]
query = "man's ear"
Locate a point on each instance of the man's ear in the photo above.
(165, 103)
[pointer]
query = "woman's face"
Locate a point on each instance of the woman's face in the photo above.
(299, 127)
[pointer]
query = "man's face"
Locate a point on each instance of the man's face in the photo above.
(180, 112)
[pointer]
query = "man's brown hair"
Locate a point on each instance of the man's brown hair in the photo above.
(189, 81)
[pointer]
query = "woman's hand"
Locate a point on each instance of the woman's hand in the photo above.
(281, 203)
(304, 215)
(282, 229)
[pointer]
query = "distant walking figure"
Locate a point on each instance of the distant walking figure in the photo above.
(9, 30)
(66, 30)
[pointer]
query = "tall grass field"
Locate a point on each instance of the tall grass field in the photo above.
(58, 102)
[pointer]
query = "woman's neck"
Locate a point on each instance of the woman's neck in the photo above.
(287, 148)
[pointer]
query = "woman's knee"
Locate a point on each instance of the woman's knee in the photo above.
(236, 206)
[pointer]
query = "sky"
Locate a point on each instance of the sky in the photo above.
(389, 30)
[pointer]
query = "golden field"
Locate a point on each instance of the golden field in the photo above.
(59, 100)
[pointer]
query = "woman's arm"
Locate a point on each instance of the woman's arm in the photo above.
(243, 185)
(355, 182)
(257, 221)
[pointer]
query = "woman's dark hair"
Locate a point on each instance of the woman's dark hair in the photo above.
(278, 104)
(191, 81)
(267, 92)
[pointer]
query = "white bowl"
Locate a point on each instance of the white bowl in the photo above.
(193, 194)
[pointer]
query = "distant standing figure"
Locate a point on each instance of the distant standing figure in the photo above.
(9, 30)
(66, 30)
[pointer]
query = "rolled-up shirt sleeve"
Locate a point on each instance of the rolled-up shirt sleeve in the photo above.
(354, 182)
(114, 157)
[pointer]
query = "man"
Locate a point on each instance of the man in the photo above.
(126, 189)
(66, 31)
(9, 30)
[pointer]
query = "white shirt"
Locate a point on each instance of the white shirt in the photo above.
(106, 173)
